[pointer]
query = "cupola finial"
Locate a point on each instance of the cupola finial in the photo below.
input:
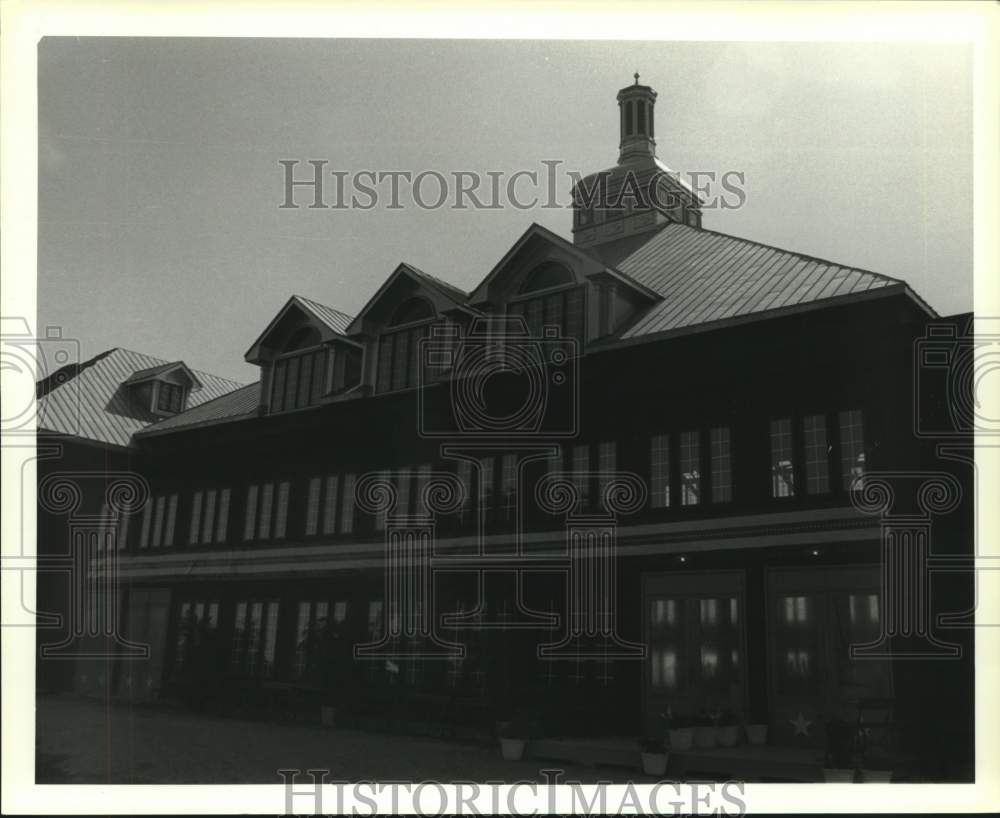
(636, 75)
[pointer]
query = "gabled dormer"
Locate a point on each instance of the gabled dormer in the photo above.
(549, 282)
(162, 390)
(305, 357)
(408, 307)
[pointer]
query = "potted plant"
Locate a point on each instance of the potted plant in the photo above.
(705, 731)
(654, 756)
(680, 731)
(840, 753)
(756, 727)
(728, 729)
(513, 737)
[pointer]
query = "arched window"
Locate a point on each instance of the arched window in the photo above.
(301, 338)
(545, 275)
(557, 304)
(399, 362)
(413, 309)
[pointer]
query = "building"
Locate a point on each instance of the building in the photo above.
(635, 474)
(86, 415)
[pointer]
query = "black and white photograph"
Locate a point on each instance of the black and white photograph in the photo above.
(501, 419)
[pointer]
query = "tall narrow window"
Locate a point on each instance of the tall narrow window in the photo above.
(281, 513)
(249, 525)
(581, 473)
(123, 526)
(196, 501)
(722, 469)
(330, 505)
(464, 472)
(659, 471)
(607, 463)
(158, 522)
(402, 482)
(209, 516)
(222, 522)
(347, 505)
(147, 514)
(266, 503)
(782, 471)
(817, 450)
(486, 486)
(312, 506)
(508, 486)
(690, 468)
(852, 446)
(423, 476)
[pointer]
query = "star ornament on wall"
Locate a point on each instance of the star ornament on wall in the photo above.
(801, 725)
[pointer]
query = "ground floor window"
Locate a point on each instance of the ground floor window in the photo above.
(814, 617)
(318, 635)
(196, 626)
(694, 630)
(255, 631)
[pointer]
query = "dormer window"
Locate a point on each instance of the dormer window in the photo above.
(399, 345)
(162, 390)
(549, 296)
(299, 376)
(170, 398)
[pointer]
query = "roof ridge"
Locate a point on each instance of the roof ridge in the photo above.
(321, 304)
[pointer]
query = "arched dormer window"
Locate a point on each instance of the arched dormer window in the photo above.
(299, 375)
(411, 310)
(546, 275)
(302, 338)
(550, 297)
(399, 363)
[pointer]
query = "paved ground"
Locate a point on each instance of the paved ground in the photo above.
(82, 741)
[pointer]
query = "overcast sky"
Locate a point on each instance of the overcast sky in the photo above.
(159, 221)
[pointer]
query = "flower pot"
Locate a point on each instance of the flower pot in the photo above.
(729, 736)
(876, 776)
(704, 736)
(326, 715)
(838, 775)
(512, 749)
(757, 733)
(654, 763)
(681, 738)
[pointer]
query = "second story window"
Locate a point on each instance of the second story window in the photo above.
(399, 346)
(659, 471)
(549, 296)
(817, 454)
(852, 446)
(266, 511)
(782, 470)
(209, 517)
(170, 397)
(299, 375)
(690, 468)
(158, 519)
(722, 467)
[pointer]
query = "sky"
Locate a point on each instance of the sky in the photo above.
(160, 226)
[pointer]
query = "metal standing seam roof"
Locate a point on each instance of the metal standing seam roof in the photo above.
(94, 402)
(335, 319)
(242, 402)
(460, 297)
(704, 277)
